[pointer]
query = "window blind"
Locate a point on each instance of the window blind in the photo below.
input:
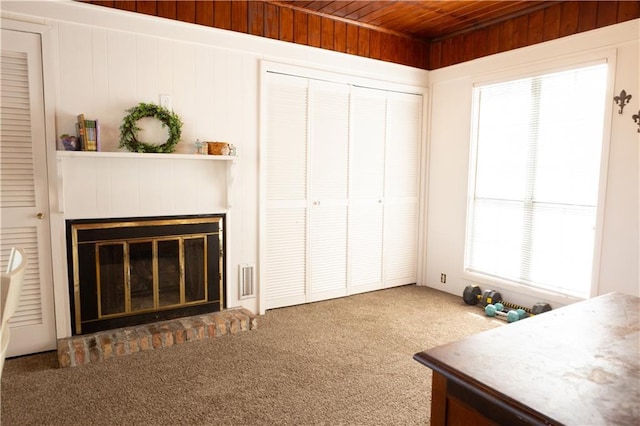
(536, 169)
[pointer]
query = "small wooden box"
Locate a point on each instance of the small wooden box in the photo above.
(218, 148)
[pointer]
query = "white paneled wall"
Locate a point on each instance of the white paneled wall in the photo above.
(105, 72)
(94, 186)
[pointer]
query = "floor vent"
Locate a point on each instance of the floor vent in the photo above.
(246, 277)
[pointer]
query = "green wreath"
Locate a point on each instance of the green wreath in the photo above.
(129, 130)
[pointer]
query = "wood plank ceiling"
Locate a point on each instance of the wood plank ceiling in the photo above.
(423, 34)
(425, 20)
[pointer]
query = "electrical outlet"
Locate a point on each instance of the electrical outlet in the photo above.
(443, 278)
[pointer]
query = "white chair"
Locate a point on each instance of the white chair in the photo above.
(10, 289)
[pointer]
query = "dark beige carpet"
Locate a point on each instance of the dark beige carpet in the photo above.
(341, 362)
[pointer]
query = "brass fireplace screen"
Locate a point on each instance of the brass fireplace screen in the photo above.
(136, 271)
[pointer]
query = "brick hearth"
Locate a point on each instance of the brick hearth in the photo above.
(88, 348)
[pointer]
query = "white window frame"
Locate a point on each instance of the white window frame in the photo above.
(531, 70)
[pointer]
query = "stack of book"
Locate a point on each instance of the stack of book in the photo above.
(88, 132)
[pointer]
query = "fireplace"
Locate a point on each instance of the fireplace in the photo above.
(125, 272)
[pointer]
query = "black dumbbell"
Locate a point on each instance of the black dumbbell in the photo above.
(472, 295)
(540, 308)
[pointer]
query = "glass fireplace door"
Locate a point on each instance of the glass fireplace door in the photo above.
(150, 275)
(141, 276)
(129, 272)
(111, 283)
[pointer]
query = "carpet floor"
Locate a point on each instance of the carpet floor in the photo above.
(345, 361)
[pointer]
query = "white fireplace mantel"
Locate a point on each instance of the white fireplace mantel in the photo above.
(125, 184)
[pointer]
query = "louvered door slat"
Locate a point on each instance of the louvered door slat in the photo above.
(16, 157)
(29, 310)
(403, 145)
(365, 246)
(329, 139)
(368, 132)
(401, 241)
(328, 257)
(286, 138)
(285, 257)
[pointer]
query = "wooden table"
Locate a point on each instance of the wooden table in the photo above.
(577, 365)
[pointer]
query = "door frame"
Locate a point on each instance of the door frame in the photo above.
(55, 213)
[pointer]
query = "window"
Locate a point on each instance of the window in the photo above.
(535, 170)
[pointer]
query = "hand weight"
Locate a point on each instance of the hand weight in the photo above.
(472, 295)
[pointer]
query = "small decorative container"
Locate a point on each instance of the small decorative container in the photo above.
(201, 147)
(70, 143)
(218, 148)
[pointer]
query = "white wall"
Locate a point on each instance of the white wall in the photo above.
(106, 61)
(449, 135)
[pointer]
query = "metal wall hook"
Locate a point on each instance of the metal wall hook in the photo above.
(636, 119)
(622, 100)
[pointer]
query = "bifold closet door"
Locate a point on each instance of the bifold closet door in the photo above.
(404, 120)
(342, 168)
(306, 191)
(328, 126)
(286, 191)
(366, 188)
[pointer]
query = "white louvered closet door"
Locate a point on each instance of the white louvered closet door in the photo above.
(328, 183)
(286, 191)
(24, 190)
(366, 193)
(404, 118)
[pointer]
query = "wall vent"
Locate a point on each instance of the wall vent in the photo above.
(246, 281)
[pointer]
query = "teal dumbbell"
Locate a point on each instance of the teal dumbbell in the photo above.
(497, 310)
